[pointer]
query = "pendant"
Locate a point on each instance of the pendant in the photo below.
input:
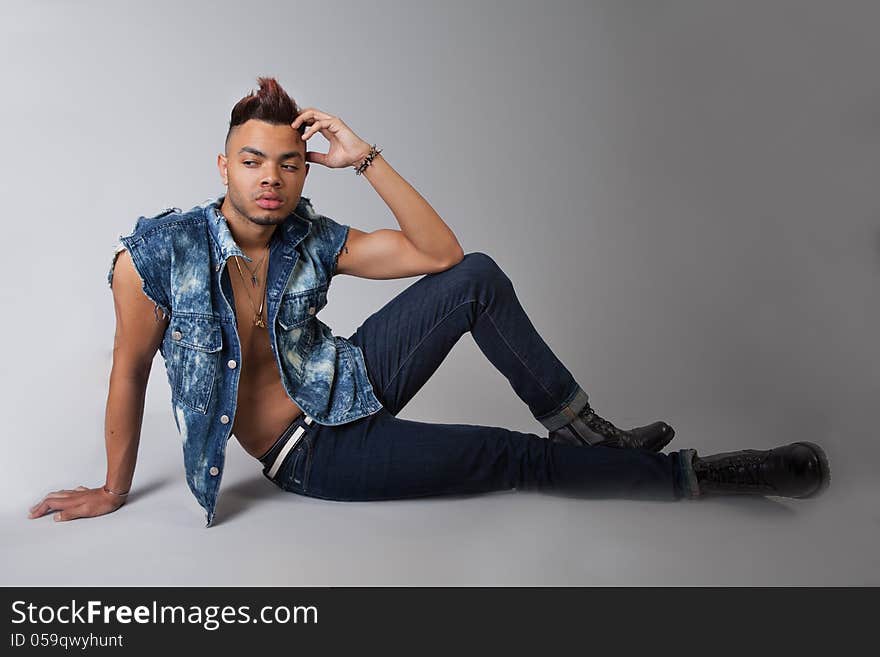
(258, 320)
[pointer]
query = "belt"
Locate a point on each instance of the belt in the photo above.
(274, 458)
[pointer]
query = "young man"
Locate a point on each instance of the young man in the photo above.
(229, 292)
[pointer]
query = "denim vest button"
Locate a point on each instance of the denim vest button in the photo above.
(231, 364)
(224, 419)
(311, 310)
(176, 335)
(214, 470)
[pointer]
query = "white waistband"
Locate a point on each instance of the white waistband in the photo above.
(294, 439)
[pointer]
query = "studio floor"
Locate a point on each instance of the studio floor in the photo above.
(263, 536)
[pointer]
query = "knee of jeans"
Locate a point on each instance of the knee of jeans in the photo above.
(480, 267)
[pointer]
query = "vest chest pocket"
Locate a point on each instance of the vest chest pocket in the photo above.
(295, 330)
(195, 344)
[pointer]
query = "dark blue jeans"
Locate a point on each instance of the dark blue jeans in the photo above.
(382, 457)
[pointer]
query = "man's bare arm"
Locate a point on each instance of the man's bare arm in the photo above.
(385, 253)
(138, 336)
(423, 245)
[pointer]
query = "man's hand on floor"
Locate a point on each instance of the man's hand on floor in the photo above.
(81, 502)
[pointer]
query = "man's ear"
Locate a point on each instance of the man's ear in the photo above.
(221, 167)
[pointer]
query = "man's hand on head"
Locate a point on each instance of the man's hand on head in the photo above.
(346, 148)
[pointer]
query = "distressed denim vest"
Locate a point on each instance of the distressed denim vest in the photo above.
(182, 259)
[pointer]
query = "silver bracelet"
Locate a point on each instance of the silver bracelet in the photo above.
(113, 492)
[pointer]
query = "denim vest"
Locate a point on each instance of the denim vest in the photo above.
(181, 258)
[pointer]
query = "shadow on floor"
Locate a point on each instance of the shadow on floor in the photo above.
(241, 496)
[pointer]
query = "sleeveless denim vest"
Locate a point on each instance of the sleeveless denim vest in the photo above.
(182, 260)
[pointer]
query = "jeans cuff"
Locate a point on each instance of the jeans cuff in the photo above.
(690, 486)
(566, 413)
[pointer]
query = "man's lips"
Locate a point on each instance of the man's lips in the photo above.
(269, 202)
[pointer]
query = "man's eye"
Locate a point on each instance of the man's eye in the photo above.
(249, 162)
(290, 166)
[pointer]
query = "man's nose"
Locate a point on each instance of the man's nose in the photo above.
(271, 178)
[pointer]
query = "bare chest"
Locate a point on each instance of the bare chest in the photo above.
(263, 408)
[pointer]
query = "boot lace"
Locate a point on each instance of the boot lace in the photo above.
(602, 426)
(742, 470)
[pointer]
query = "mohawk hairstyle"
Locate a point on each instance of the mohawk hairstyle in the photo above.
(270, 103)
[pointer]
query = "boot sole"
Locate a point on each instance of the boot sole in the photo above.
(824, 471)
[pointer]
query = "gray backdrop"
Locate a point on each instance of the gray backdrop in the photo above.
(680, 191)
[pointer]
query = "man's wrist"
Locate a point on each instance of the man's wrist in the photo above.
(360, 158)
(367, 160)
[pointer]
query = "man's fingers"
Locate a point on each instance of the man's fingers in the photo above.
(309, 114)
(315, 127)
(41, 509)
(304, 117)
(52, 497)
(46, 506)
(71, 513)
(318, 158)
(53, 502)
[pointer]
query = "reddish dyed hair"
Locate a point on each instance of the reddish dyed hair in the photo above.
(270, 103)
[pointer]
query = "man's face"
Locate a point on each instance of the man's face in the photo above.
(265, 170)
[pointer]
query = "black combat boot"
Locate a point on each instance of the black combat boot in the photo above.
(589, 429)
(797, 470)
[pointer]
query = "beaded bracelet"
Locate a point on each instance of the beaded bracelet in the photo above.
(113, 492)
(368, 160)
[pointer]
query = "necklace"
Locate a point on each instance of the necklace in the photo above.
(254, 280)
(253, 272)
(258, 312)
